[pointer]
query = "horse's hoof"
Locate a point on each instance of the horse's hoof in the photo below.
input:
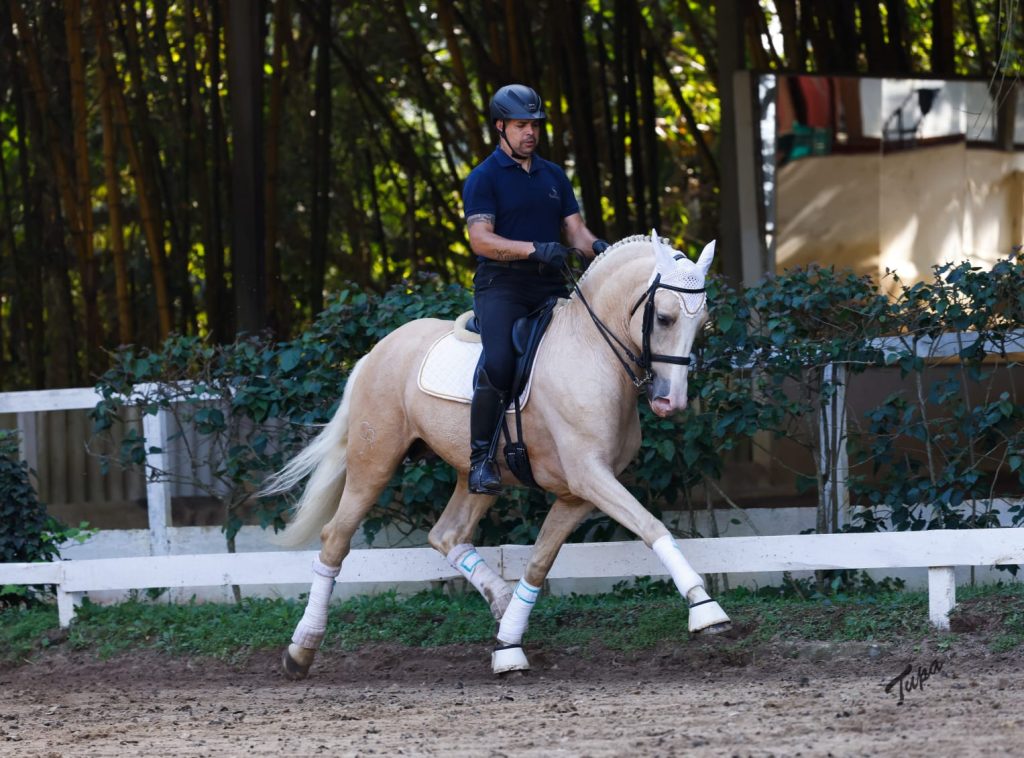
(509, 658)
(291, 668)
(716, 628)
(515, 674)
(706, 615)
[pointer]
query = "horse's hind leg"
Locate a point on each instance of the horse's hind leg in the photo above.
(451, 537)
(563, 517)
(368, 475)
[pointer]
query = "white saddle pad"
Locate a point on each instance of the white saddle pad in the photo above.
(447, 370)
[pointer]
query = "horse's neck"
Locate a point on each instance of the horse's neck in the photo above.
(612, 286)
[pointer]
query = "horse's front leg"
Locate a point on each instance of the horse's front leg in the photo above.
(563, 517)
(606, 492)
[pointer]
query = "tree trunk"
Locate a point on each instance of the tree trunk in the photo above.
(985, 65)
(218, 296)
(178, 166)
(7, 294)
(655, 49)
(148, 210)
(61, 349)
(28, 325)
(245, 75)
(83, 194)
(873, 36)
(631, 52)
(157, 174)
(469, 111)
(125, 322)
(581, 115)
(650, 143)
(61, 356)
(896, 23)
(942, 38)
(793, 52)
(321, 161)
(277, 300)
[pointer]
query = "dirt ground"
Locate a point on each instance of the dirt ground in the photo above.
(692, 698)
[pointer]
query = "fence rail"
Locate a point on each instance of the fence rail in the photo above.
(939, 551)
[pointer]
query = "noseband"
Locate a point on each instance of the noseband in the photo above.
(646, 360)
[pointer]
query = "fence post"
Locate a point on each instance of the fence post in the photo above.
(941, 595)
(835, 463)
(67, 604)
(158, 490)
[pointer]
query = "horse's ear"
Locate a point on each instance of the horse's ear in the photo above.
(706, 256)
(664, 263)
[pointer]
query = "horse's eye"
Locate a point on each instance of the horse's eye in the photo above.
(664, 320)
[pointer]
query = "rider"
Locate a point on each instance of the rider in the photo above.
(517, 208)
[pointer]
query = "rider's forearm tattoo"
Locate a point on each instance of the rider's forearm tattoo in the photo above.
(505, 255)
(486, 218)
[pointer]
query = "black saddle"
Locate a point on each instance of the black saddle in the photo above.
(526, 334)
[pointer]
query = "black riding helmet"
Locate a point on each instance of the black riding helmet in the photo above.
(516, 102)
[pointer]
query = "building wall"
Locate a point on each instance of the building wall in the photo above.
(906, 211)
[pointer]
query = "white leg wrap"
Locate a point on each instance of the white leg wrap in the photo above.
(688, 581)
(311, 627)
(517, 615)
(467, 561)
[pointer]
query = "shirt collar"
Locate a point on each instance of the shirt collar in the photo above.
(505, 161)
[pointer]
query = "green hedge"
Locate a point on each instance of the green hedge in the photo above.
(763, 372)
(27, 533)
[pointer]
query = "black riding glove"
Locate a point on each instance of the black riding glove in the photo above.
(553, 254)
(599, 246)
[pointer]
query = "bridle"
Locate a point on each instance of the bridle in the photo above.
(646, 360)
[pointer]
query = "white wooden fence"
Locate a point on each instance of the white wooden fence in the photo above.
(940, 551)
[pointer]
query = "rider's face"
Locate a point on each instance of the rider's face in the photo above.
(522, 135)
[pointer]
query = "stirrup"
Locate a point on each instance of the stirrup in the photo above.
(477, 471)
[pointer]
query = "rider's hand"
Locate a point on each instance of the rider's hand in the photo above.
(599, 246)
(552, 253)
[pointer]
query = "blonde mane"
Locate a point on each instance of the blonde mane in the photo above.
(615, 248)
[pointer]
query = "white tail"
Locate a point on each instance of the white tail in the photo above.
(326, 458)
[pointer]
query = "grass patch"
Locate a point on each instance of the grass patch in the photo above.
(635, 617)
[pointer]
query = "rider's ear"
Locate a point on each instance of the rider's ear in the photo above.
(706, 256)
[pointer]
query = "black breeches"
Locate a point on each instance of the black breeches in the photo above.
(502, 295)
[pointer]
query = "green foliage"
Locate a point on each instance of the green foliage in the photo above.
(935, 457)
(23, 520)
(27, 533)
(767, 369)
(940, 456)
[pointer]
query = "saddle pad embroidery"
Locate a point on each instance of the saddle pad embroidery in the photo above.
(447, 370)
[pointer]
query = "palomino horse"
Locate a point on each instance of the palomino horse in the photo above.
(639, 303)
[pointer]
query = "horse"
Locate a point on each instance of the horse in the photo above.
(628, 326)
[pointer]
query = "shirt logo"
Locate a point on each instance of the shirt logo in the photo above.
(553, 194)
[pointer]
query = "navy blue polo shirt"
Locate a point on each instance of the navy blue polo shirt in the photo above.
(526, 206)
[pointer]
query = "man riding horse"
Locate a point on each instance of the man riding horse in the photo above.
(631, 321)
(517, 206)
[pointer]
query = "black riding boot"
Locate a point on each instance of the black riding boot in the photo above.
(484, 417)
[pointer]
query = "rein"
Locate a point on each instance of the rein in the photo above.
(646, 359)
